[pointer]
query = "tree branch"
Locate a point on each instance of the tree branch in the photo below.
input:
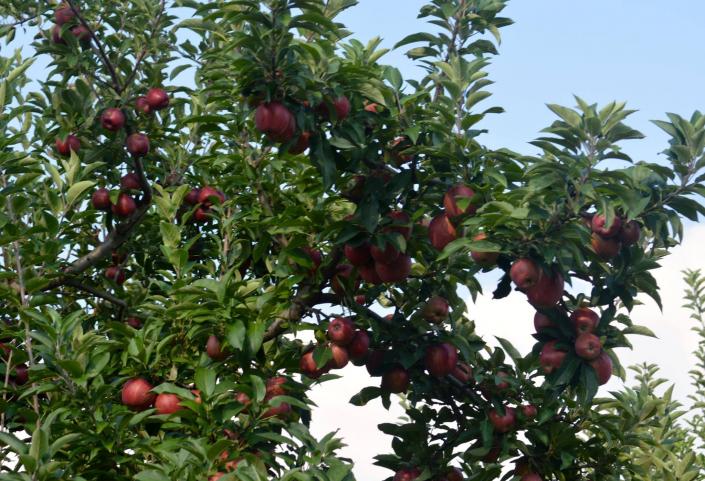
(144, 51)
(75, 283)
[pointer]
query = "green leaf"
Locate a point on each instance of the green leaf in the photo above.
(76, 190)
(205, 380)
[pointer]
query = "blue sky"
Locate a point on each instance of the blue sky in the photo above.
(645, 52)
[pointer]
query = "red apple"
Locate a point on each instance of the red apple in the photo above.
(441, 232)
(316, 258)
(551, 358)
(436, 310)
(340, 357)
(454, 474)
(275, 386)
(371, 107)
(142, 106)
(359, 346)
(605, 248)
(157, 99)
(502, 385)
(341, 331)
(213, 348)
(531, 477)
(396, 271)
(395, 380)
(130, 181)
(280, 411)
(276, 121)
(112, 119)
(137, 144)
(357, 255)
(82, 34)
(462, 372)
(368, 273)
(64, 147)
(342, 107)
(360, 298)
(386, 255)
(525, 273)
(243, 398)
(542, 321)
(547, 292)
(603, 367)
(503, 423)
(598, 225)
(63, 14)
(356, 189)
(125, 206)
(584, 320)
(115, 274)
(450, 201)
(192, 197)
(21, 374)
(134, 322)
(207, 195)
(588, 346)
(375, 363)
(167, 403)
(630, 233)
(342, 276)
(216, 476)
(202, 215)
(137, 395)
(484, 259)
(529, 411)
(407, 474)
(301, 144)
(307, 364)
(56, 35)
(101, 199)
(441, 359)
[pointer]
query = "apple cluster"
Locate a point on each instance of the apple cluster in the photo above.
(607, 240)
(65, 20)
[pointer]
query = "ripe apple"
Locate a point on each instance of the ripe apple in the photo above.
(551, 358)
(529, 411)
(342, 107)
(525, 273)
(462, 372)
(441, 359)
(542, 321)
(343, 275)
(216, 476)
(142, 106)
(400, 222)
(375, 363)
(630, 233)
(82, 34)
(531, 477)
(307, 364)
(371, 107)
(450, 201)
(63, 14)
(157, 99)
(484, 259)
(64, 147)
(202, 215)
(502, 385)
(125, 205)
(213, 348)
(547, 292)
(101, 199)
(357, 255)
(605, 248)
(360, 298)
(137, 395)
(56, 35)
(112, 119)
(137, 144)
(441, 232)
(192, 197)
(395, 380)
(134, 322)
(340, 357)
(588, 346)
(407, 474)
(21, 374)
(359, 346)
(301, 144)
(280, 411)
(598, 225)
(207, 195)
(130, 181)
(341, 331)
(167, 403)
(368, 273)
(454, 474)
(275, 386)
(356, 189)
(396, 271)
(115, 274)
(243, 398)
(276, 121)
(436, 310)
(503, 423)
(316, 258)
(603, 367)
(385, 256)
(584, 320)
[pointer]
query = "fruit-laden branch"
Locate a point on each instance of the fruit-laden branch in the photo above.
(99, 46)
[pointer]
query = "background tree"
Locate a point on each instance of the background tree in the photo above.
(174, 256)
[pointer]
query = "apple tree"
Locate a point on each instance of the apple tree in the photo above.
(210, 207)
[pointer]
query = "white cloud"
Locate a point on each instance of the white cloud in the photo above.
(512, 318)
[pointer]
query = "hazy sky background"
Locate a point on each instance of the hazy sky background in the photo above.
(645, 52)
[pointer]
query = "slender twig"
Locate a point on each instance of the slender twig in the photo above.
(75, 283)
(117, 86)
(145, 49)
(20, 22)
